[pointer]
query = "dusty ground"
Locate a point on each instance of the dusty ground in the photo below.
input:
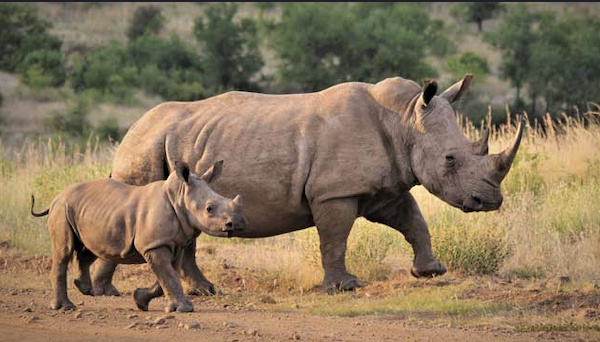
(229, 316)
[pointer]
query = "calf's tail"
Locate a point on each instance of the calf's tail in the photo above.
(44, 213)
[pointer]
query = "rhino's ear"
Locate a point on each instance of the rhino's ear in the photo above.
(183, 171)
(458, 89)
(429, 90)
(213, 173)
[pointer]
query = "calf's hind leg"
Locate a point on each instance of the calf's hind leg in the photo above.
(161, 261)
(61, 236)
(85, 258)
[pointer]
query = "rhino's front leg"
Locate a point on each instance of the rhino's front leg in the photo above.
(405, 216)
(194, 282)
(161, 261)
(334, 219)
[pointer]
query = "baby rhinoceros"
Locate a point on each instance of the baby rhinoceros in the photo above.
(130, 224)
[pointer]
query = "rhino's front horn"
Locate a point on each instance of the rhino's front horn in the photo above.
(480, 147)
(503, 161)
(237, 200)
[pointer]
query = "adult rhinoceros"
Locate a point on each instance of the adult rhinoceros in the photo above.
(322, 159)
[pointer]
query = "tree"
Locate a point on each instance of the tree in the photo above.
(468, 62)
(146, 20)
(229, 47)
(477, 12)
(321, 44)
(566, 63)
(25, 44)
(515, 36)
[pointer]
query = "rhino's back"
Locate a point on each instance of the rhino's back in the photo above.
(281, 152)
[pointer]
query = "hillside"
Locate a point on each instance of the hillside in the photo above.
(84, 25)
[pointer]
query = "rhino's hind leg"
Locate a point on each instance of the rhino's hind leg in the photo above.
(102, 278)
(143, 296)
(85, 258)
(194, 282)
(62, 252)
(334, 219)
(161, 261)
(405, 217)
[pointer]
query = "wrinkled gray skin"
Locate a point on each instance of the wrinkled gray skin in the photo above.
(322, 159)
(123, 223)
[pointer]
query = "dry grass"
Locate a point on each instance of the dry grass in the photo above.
(548, 225)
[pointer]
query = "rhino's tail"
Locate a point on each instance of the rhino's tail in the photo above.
(44, 213)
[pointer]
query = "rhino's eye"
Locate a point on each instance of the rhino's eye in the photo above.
(450, 160)
(210, 208)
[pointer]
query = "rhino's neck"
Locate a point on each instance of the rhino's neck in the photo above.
(397, 125)
(176, 194)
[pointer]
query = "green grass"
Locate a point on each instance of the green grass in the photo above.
(436, 301)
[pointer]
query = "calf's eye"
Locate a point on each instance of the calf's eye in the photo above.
(209, 208)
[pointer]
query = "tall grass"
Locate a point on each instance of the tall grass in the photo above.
(548, 225)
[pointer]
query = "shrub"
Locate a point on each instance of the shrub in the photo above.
(73, 121)
(48, 64)
(146, 20)
(230, 49)
(481, 250)
(468, 62)
(109, 129)
(24, 39)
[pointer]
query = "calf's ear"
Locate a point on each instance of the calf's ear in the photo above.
(458, 89)
(213, 173)
(183, 171)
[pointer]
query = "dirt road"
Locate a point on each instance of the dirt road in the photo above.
(24, 316)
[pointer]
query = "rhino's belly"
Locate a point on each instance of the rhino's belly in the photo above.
(270, 220)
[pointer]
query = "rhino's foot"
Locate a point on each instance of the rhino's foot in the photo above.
(64, 304)
(85, 287)
(181, 306)
(431, 269)
(141, 298)
(346, 282)
(105, 290)
(204, 288)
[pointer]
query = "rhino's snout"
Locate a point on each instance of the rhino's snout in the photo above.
(234, 224)
(480, 203)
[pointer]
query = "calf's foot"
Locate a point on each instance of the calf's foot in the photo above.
(64, 304)
(85, 287)
(105, 289)
(428, 269)
(180, 306)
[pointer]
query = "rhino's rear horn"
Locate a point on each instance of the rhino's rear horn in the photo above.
(480, 147)
(503, 160)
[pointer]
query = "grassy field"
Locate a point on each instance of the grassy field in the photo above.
(548, 226)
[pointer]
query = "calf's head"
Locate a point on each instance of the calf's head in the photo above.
(205, 209)
(446, 163)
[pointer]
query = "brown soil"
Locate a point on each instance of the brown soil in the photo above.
(25, 316)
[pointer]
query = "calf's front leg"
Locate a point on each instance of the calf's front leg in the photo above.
(161, 262)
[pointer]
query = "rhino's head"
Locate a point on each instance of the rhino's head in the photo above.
(458, 171)
(205, 209)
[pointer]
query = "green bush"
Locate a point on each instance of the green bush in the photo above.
(48, 64)
(73, 121)
(169, 68)
(109, 129)
(468, 62)
(146, 20)
(25, 42)
(107, 70)
(480, 250)
(321, 44)
(230, 54)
